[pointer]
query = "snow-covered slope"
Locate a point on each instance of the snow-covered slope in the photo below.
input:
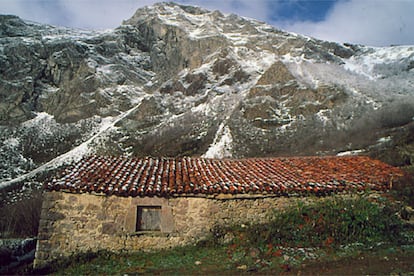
(178, 80)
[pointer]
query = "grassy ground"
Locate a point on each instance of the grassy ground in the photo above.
(394, 260)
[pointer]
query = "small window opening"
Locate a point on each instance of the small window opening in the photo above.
(148, 218)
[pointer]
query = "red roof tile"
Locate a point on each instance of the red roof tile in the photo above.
(198, 176)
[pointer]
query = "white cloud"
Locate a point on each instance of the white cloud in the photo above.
(88, 14)
(39, 11)
(103, 14)
(368, 22)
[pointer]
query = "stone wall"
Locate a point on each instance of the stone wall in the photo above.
(73, 223)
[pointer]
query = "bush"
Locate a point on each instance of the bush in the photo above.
(331, 222)
(21, 219)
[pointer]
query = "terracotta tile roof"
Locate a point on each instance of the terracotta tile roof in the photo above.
(198, 176)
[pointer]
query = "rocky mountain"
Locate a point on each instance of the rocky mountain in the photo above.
(178, 80)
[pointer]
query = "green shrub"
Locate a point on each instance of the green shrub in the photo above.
(330, 222)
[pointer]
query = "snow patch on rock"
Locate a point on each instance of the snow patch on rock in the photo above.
(222, 144)
(365, 63)
(323, 116)
(350, 152)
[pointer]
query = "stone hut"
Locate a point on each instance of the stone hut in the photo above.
(126, 204)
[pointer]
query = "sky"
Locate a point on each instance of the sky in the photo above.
(367, 22)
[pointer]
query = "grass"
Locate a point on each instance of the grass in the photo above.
(333, 229)
(188, 260)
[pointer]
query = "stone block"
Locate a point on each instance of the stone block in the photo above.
(41, 255)
(73, 199)
(110, 228)
(44, 223)
(92, 208)
(54, 216)
(53, 196)
(130, 219)
(43, 235)
(82, 219)
(167, 220)
(65, 227)
(102, 215)
(44, 245)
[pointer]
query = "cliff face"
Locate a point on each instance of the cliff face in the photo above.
(177, 80)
